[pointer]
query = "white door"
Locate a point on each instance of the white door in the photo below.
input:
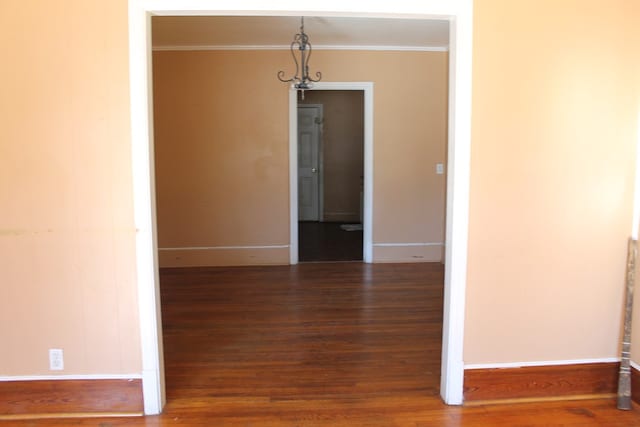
(309, 119)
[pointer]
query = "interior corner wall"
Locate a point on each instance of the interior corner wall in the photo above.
(221, 142)
(556, 96)
(67, 236)
(342, 152)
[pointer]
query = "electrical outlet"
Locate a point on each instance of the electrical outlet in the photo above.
(439, 168)
(56, 359)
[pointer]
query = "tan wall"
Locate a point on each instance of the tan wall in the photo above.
(556, 91)
(342, 152)
(222, 151)
(555, 111)
(67, 259)
(221, 158)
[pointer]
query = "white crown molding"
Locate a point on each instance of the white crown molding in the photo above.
(70, 377)
(222, 248)
(287, 47)
(540, 363)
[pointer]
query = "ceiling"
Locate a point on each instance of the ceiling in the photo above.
(175, 32)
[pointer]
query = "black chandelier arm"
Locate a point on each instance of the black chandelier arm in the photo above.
(282, 79)
(318, 77)
(306, 75)
(295, 60)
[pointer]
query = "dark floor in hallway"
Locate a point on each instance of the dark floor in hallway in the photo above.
(327, 241)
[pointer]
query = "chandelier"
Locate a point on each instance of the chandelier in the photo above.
(301, 43)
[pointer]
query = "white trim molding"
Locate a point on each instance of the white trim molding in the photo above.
(71, 377)
(634, 365)
(458, 180)
(223, 256)
(287, 47)
(144, 206)
(540, 363)
(400, 245)
(222, 248)
(293, 177)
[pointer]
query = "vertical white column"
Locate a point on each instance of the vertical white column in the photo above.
(460, 41)
(144, 208)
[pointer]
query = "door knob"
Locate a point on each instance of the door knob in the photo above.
(314, 170)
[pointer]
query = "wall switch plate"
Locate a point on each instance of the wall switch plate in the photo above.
(439, 168)
(56, 359)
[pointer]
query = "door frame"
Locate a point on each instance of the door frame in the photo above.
(367, 218)
(320, 159)
(459, 14)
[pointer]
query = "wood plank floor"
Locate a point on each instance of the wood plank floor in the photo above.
(344, 344)
(311, 331)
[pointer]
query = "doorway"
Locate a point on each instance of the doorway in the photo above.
(365, 206)
(331, 175)
(459, 13)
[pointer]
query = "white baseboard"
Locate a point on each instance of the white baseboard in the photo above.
(408, 252)
(399, 245)
(222, 248)
(71, 377)
(540, 363)
(223, 256)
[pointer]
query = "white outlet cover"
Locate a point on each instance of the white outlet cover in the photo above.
(439, 168)
(56, 359)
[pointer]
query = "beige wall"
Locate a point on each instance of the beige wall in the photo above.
(67, 260)
(555, 112)
(221, 141)
(556, 95)
(221, 158)
(342, 151)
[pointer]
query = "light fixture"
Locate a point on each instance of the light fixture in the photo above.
(301, 43)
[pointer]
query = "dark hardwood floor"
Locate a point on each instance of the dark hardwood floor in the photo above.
(327, 344)
(327, 241)
(308, 332)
